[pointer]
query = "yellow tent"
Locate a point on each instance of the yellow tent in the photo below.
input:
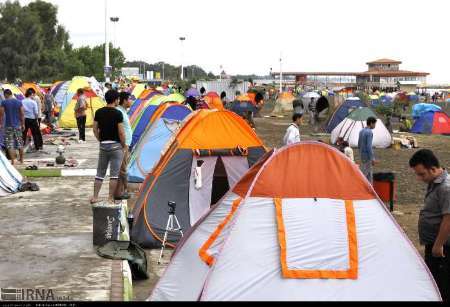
(67, 114)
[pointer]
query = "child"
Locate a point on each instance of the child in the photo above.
(348, 151)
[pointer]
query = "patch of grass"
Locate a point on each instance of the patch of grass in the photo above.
(41, 173)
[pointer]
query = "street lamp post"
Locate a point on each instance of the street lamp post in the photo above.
(182, 39)
(281, 76)
(115, 20)
(107, 67)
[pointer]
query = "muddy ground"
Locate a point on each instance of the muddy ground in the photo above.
(410, 192)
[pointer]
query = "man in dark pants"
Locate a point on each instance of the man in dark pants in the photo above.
(80, 115)
(31, 113)
(434, 218)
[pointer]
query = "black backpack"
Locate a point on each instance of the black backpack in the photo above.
(126, 250)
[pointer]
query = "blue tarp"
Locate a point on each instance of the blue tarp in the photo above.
(420, 108)
(342, 111)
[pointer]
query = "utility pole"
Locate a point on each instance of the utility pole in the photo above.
(281, 74)
(107, 68)
(163, 77)
(182, 39)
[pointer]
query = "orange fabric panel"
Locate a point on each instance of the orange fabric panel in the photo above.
(326, 173)
(213, 129)
(214, 103)
(203, 252)
(350, 273)
(246, 181)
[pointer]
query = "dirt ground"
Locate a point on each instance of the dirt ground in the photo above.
(410, 192)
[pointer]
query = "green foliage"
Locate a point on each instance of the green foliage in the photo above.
(34, 47)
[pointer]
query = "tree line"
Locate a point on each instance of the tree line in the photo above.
(35, 47)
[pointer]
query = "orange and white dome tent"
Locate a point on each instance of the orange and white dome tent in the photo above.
(287, 232)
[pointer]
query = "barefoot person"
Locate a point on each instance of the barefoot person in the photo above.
(109, 131)
(13, 119)
(122, 185)
(434, 218)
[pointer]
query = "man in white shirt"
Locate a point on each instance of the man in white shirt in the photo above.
(293, 131)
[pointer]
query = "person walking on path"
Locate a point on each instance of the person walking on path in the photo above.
(365, 149)
(434, 218)
(293, 131)
(109, 131)
(31, 113)
(122, 185)
(80, 115)
(13, 119)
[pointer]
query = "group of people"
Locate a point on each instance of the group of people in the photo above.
(18, 118)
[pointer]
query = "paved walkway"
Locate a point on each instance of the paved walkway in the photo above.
(46, 236)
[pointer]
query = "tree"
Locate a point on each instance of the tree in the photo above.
(20, 43)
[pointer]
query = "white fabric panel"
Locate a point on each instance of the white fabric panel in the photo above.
(312, 243)
(10, 178)
(235, 167)
(248, 267)
(200, 199)
(349, 130)
(184, 278)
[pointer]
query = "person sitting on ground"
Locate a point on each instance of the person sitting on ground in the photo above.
(109, 131)
(293, 131)
(405, 124)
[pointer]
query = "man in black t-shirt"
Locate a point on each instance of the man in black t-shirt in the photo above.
(109, 131)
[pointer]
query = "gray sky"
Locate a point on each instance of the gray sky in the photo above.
(247, 36)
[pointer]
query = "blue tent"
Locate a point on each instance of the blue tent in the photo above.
(148, 148)
(420, 108)
(142, 124)
(342, 111)
(424, 124)
(383, 100)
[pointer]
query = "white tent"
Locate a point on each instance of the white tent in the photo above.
(278, 236)
(351, 126)
(10, 178)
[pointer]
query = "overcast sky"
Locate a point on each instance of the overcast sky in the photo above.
(247, 36)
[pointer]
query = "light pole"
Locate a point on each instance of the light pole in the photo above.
(281, 75)
(182, 39)
(115, 20)
(107, 67)
(163, 71)
(220, 73)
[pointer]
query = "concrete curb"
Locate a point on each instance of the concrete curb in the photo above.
(58, 172)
